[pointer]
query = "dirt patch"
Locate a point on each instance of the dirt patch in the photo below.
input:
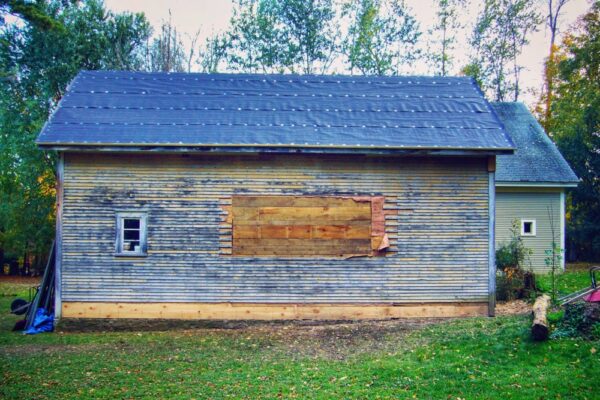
(24, 280)
(324, 339)
(61, 348)
(15, 285)
(339, 341)
(515, 307)
(580, 266)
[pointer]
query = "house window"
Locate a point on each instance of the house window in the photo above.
(528, 227)
(131, 234)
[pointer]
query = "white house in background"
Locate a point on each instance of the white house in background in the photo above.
(531, 185)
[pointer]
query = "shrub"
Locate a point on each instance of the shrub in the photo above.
(513, 254)
(580, 319)
(514, 282)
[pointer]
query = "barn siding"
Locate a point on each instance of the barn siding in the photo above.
(529, 203)
(437, 224)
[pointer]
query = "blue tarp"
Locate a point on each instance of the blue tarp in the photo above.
(43, 322)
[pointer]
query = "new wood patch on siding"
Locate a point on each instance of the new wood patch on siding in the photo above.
(302, 226)
(434, 213)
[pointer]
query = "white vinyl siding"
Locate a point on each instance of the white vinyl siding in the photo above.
(530, 206)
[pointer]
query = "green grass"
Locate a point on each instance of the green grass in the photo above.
(478, 358)
(575, 277)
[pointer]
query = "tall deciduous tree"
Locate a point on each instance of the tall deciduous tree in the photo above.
(272, 36)
(254, 42)
(37, 61)
(575, 125)
(214, 53)
(166, 52)
(32, 12)
(310, 31)
(444, 35)
(501, 31)
(382, 36)
(554, 10)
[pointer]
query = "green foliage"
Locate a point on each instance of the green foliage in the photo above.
(511, 287)
(555, 317)
(567, 282)
(443, 35)
(574, 124)
(31, 11)
(595, 331)
(576, 322)
(500, 32)
(166, 53)
(511, 257)
(553, 262)
(308, 27)
(40, 63)
(255, 40)
(570, 324)
(282, 35)
(513, 254)
(382, 36)
(553, 256)
(214, 53)
(474, 70)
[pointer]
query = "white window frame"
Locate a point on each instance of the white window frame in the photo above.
(533, 227)
(120, 237)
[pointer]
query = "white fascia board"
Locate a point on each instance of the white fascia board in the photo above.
(537, 184)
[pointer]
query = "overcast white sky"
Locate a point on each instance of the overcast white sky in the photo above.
(213, 16)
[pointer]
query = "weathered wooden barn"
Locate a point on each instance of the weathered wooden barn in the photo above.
(531, 186)
(194, 196)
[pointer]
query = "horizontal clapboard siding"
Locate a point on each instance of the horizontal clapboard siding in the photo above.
(437, 227)
(537, 205)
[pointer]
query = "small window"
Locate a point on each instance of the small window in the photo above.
(131, 234)
(528, 227)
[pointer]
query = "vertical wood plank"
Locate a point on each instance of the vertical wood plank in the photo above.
(491, 244)
(60, 174)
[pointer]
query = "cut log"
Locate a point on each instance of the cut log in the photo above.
(539, 328)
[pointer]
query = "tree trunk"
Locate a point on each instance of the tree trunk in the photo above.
(539, 328)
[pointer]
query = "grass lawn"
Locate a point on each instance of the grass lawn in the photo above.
(575, 277)
(478, 358)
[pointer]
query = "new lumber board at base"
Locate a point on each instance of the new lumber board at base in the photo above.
(264, 311)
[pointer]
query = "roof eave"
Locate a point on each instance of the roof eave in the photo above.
(219, 148)
(566, 184)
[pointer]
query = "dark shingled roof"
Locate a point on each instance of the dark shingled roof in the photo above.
(231, 110)
(536, 159)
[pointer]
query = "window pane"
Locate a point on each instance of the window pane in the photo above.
(131, 235)
(131, 245)
(527, 227)
(131, 223)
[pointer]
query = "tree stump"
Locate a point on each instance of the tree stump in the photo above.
(539, 328)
